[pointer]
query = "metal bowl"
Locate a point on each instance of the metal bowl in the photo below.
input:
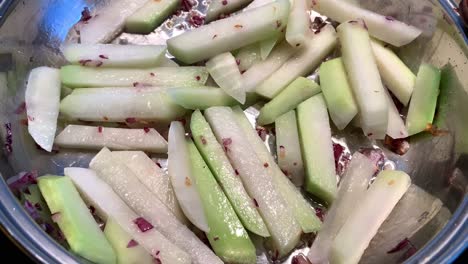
(32, 31)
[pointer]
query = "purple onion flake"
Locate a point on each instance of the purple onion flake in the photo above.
(142, 224)
(132, 243)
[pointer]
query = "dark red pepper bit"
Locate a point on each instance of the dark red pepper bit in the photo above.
(103, 57)
(100, 129)
(159, 165)
(198, 78)
(142, 224)
(131, 120)
(21, 108)
(132, 243)
(300, 259)
(224, 2)
(203, 140)
(236, 171)
(398, 146)
(400, 246)
(266, 165)
(255, 202)
(215, 238)
(146, 129)
(85, 15)
(84, 62)
(320, 213)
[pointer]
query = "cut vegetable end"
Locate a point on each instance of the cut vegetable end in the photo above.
(288, 99)
(424, 101)
(150, 16)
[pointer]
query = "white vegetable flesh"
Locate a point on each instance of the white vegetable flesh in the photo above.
(298, 23)
(224, 70)
(220, 7)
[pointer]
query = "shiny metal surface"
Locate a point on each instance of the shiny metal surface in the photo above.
(32, 31)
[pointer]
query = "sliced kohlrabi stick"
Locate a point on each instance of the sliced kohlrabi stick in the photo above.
(298, 23)
(91, 137)
(317, 148)
(248, 56)
(75, 76)
(224, 70)
(120, 105)
(201, 98)
(42, 101)
(108, 22)
(113, 55)
(257, 3)
(288, 147)
(395, 74)
(228, 238)
(424, 101)
(218, 7)
(317, 47)
(337, 92)
(301, 208)
(298, 91)
(267, 45)
(182, 179)
(126, 249)
(366, 218)
(352, 189)
(384, 28)
(261, 70)
(226, 175)
(364, 77)
(279, 218)
(396, 126)
(415, 209)
(108, 204)
(230, 33)
(148, 206)
(74, 219)
(150, 16)
(153, 177)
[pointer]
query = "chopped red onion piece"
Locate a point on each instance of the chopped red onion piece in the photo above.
(132, 243)
(142, 224)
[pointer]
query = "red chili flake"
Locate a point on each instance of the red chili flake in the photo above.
(203, 140)
(275, 257)
(132, 243)
(197, 78)
(238, 61)
(226, 143)
(389, 18)
(84, 62)
(399, 146)
(214, 36)
(24, 122)
(159, 165)
(135, 84)
(146, 129)
(152, 74)
(278, 24)
(215, 238)
(300, 259)
(238, 26)
(236, 171)
(56, 217)
(99, 63)
(370, 134)
(8, 139)
(365, 25)
(131, 120)
(186, 5)
(100, 129)
(103, 57)
(224, 2)
(266, 165)
(182, 120)
(142, 224)
(242, 72)
(85, 15)
(105, 118)
(92, 210)
(188, 182)
(320, 213)
(255, 202)
(21, 108)
(295, 163)
(298, 44)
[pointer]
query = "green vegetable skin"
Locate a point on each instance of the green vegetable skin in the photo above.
(150, 15)
(296, 92)
(230, 33)
(267, 45)
(74, 219)
(317, 148)
(75, 76)
(201, 98)
(227, 236)
(424, 101)
(219, 164)
(301, 208)
(119, 239)
(337, 92)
